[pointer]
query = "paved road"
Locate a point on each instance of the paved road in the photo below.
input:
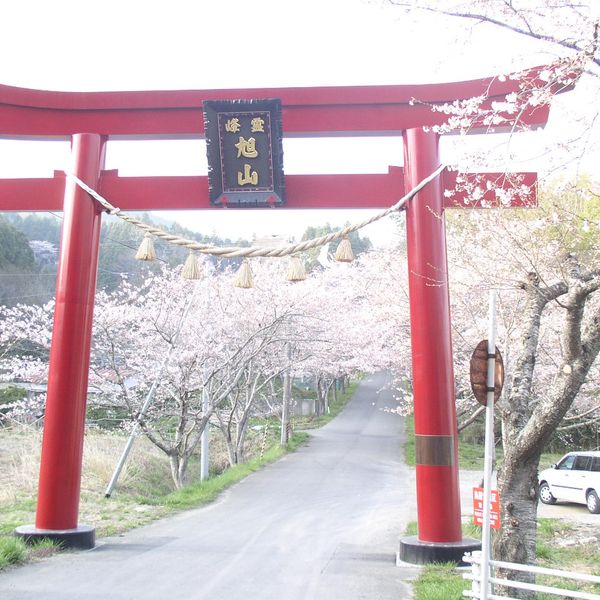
(322, 523)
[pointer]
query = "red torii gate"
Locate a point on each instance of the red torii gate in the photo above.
(89, 120)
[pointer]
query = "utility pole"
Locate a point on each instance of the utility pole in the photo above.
(489, 449)
(287, 395)
(204, 440)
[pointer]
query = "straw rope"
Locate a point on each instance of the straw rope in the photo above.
(254, 251)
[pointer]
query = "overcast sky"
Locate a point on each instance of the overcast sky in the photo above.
(74, 45)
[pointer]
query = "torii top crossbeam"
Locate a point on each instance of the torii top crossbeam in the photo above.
(307, 112)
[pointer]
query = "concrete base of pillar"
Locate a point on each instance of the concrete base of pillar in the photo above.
(414, 551)
(83, 537)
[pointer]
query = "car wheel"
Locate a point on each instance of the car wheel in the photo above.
(546, 495)
(593, 502)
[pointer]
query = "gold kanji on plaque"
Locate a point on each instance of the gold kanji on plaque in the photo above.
(245, 152)
(248, 177)
(232, 125)
(257, 125)
(246, 148)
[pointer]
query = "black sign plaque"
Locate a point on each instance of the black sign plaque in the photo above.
(245, 152)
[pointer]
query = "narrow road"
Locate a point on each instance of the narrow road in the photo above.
(323, 523)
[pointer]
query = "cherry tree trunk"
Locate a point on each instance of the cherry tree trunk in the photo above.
(516, 541)
(178, 467)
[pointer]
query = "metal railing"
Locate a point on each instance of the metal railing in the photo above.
(476, 576)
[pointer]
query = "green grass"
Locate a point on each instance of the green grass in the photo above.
(439, 581)
(411, 529)
(11, 516)
(549, 458)
(583, 558)
(12, 551)
(443, 582)
(580, 558)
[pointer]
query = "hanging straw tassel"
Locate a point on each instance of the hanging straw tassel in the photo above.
(344, 251)
(146, 249)
(296, 270)
(191, 268)
(243, 278)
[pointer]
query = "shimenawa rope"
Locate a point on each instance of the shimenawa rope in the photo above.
(254, 251)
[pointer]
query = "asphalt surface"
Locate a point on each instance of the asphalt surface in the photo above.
(320, 524)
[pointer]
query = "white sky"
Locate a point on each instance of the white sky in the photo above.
(77, 45)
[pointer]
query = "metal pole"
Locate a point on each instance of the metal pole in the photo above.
(489, 450)
(287, 392)
(204, 440)
(147, 402)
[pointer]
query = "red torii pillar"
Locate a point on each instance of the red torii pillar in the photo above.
(306, 111)
(64, 418)
(436, 440)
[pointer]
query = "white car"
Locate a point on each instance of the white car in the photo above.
(574, 478)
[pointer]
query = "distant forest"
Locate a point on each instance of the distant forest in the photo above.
(29, 250)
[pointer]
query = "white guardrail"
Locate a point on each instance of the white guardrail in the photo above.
(476, 576)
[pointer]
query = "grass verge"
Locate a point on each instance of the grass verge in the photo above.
(439, 581)
(442, 581)
(14, 551)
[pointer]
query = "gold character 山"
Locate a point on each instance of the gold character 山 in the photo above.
(247, 177)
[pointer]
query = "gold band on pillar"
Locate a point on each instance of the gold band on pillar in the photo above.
(434, 450)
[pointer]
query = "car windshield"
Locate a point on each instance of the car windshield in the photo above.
(566, 462)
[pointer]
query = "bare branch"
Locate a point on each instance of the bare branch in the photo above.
(471, 419)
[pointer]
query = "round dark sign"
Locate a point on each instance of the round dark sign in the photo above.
(478, 372)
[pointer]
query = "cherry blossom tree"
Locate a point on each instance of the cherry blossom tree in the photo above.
(544, 265)
(568, 26)
(220, 351)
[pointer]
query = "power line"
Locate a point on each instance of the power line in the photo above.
(26, 274)
(103, 243)
(27, 296)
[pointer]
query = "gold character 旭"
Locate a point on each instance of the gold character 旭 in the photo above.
(247, 148)
(232, 125)
(258, 125)
(247, 177)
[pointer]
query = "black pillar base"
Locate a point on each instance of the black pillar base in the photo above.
(83, 537)
(412, 550)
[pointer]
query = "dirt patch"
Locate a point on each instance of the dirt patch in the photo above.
(580, 534)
